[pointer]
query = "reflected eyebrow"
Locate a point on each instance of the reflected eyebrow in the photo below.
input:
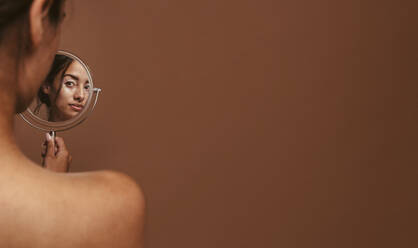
(71, 75)
(75, 77)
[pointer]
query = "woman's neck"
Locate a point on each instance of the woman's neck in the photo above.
(8, 87)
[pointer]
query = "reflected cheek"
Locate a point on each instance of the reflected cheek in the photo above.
(64, 99)
(86, 97)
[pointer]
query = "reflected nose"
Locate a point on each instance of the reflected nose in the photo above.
(79, 95)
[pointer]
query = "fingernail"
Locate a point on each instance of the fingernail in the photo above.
(48, 137)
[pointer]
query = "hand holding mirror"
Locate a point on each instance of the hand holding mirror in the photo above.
(65, 99)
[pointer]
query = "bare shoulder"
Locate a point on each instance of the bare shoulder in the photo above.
(94, 209)
(113, 205)
(118, 191)
(112, 182)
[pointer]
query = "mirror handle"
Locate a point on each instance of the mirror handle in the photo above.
(53, 134)
(97, 90)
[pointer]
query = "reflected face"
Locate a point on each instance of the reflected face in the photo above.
(69, 92)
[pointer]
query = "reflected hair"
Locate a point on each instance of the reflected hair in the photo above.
(58, 69)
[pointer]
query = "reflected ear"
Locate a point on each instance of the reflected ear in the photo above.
(46, 89)
(38, 12)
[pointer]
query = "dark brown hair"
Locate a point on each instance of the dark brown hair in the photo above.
(10, 10)
(58, 69)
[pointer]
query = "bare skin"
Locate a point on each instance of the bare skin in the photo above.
(39, 206)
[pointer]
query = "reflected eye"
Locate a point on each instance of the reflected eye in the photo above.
(69, 83)
(87, 87)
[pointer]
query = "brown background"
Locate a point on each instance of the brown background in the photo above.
(262, 123)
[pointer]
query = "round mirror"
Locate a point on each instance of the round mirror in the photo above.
(66, 97)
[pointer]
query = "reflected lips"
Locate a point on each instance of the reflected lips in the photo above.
(76, 107)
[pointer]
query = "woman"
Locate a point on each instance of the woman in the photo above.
(65, 90)
(40, 207)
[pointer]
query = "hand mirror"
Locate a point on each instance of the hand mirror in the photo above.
(66, 97)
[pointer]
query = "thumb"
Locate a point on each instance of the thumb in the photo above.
(50, 146)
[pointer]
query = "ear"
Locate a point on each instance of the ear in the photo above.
(46, 89)
(38, 12)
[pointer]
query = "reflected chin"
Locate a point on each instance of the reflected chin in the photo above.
(70, 114)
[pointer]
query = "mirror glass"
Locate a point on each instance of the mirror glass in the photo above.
(66, 96)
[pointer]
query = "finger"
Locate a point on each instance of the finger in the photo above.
(50, 146)
(62, 148)
(43, 149)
